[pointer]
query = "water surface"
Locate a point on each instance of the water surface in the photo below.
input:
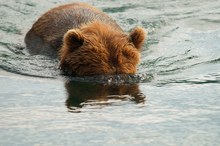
(180, 106)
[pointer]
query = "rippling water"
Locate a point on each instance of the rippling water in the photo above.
(180, 106)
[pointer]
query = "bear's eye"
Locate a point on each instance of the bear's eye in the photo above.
(126, 54)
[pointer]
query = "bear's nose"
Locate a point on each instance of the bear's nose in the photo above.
(112, 63)
(114, 70)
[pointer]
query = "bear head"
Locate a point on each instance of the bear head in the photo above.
(98, 48)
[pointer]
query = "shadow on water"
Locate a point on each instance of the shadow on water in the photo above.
(80, 94)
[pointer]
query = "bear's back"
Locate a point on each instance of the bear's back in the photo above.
(46, 34)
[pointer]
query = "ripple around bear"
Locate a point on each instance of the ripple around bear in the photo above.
(87, 41)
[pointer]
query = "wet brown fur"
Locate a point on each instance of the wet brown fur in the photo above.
(96, 46)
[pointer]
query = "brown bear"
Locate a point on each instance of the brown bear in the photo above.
(87, 40)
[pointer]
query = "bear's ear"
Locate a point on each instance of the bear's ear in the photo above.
(73, 38)
(137, 37)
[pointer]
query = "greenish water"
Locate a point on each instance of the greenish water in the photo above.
(180, 106)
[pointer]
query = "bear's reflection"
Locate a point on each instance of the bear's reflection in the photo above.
(84, 93)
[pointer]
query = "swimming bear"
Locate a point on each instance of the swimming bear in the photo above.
(86, 40)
